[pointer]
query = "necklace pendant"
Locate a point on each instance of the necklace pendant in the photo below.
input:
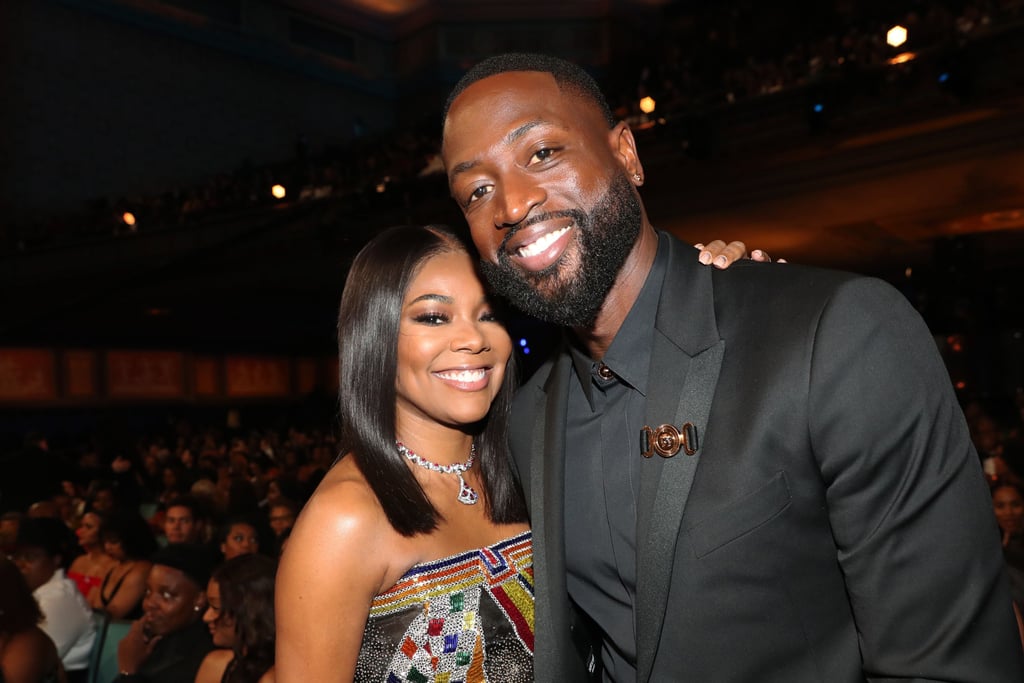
(467, 496)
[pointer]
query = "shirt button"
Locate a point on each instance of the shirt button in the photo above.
(605, 372)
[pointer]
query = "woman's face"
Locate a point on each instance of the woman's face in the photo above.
(170, 478)
(273, 490)
(221, 625)
(89, 531)
(172, 600)
(242, 539)
(452, 351)
(114, 548)
(1009, 508)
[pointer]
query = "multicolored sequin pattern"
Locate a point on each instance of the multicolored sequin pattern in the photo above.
(446, 642)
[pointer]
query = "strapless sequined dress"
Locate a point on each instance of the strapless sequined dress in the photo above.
(466, 618)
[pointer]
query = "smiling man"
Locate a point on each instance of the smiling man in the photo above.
(758, 474)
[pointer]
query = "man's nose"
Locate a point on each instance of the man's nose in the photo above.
(519, 193)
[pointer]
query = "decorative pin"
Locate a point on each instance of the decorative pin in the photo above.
(666, 440)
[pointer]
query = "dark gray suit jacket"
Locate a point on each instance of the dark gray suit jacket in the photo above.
(834, 524)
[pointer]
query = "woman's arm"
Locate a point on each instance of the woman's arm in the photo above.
(335, 563)
(723, 255)
(129, 595)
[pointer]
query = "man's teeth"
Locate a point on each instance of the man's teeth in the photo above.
(463, 375)
(542, 243)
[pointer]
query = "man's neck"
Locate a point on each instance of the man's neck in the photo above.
(598, 337)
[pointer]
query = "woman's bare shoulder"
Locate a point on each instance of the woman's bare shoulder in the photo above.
(341, 527)
(343, 501)
(214, 665)
(28, 655)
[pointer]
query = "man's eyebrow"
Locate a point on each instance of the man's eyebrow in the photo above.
(511, 137)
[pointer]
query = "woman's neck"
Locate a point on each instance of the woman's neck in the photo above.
(439, 444)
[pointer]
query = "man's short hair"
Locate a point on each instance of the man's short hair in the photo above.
(567, 75)
(190, 503)
(50, 535)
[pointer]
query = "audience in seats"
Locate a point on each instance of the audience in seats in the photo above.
(240, 615)
(129, 541)
(169, 642)
(41, 549)
(27, 654)
(88, 569)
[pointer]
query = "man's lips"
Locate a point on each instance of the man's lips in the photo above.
(537, 248)
(541, 243)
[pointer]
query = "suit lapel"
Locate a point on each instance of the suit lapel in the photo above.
(547, 491)
(685, 363)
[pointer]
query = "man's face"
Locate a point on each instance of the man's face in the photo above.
(172, 600)
(180, 525)
(281, 519)
(36, 565)
(544, 185)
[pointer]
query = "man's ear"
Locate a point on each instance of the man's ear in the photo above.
(624, 147)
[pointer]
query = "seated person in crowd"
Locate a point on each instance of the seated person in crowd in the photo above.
(238, 536)
(27, 655)
(40, 552)
(1008, 503)
(88, 569)
(8, 530)
(128, 539)
(240, 614)
(170, 641)
(185, 521)
(282, 516)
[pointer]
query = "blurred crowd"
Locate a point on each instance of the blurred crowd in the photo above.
(109, 532)
(179, 537)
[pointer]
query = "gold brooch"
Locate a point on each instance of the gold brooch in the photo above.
(666, 440)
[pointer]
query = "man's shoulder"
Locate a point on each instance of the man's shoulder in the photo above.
(796, 287)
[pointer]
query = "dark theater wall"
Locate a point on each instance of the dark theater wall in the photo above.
(112, 98)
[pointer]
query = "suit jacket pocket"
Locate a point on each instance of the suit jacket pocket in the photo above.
(740, 516)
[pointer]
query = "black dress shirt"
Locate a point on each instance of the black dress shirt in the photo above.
(602, 477)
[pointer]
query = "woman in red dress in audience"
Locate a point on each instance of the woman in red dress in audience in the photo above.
(88, 569)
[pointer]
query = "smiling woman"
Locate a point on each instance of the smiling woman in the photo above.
(413, 557)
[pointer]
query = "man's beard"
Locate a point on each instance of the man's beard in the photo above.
(571, 291)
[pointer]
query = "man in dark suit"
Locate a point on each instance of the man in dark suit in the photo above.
(758, 474)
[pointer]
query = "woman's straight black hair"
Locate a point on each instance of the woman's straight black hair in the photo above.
(368, 326)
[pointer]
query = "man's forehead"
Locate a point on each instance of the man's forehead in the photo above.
(510, 90)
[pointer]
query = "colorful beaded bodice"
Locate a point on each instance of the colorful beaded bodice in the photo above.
(466, 618)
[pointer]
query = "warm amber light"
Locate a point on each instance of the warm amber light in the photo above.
(278, 191)
(647, 105)
(896, 36)
(903, 57)
(128, 217)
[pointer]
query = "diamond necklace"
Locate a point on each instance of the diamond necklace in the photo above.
(467, 496)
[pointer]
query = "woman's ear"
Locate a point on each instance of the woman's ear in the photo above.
(200, 603)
